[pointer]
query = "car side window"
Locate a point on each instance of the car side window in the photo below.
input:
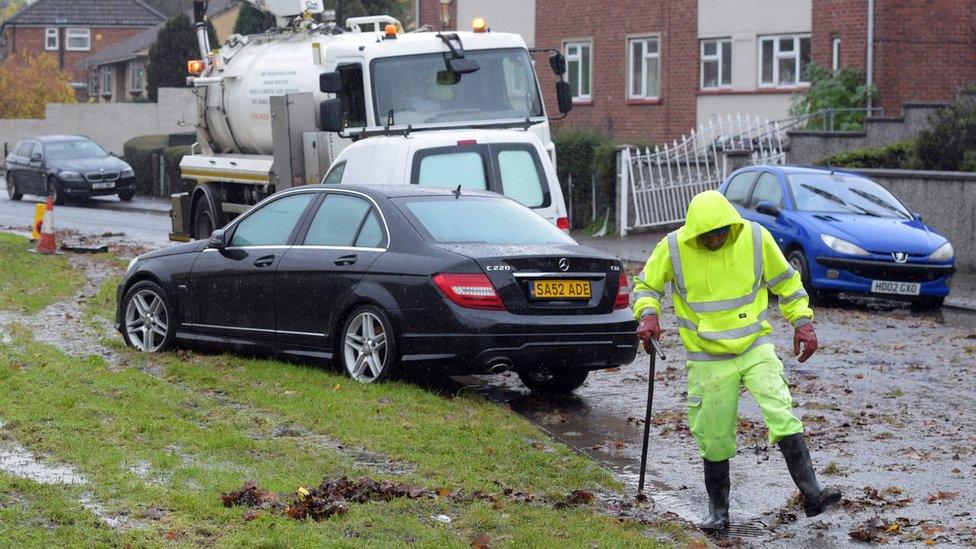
(20, 148)
(768, 189)
(337, 222)
(35, 149)
(335, 174)
(737, 190)
(272, 223)
(371, 235)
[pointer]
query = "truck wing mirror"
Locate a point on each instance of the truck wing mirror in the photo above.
(463, 65)
(558, 63)
(330, 82)
(218, 240)
(331, 115)
(564, 96)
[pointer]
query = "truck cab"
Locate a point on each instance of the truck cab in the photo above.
(514, 163)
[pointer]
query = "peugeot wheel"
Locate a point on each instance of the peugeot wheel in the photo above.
(148, 321)
(798, 260)
(13, 193)
(368, 346)
(547, 382)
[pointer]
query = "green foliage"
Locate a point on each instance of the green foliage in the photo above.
(142, 153)
(359, 8)
(590, 159)
(8, 8)
(897, 156)
(950, 144)
(251, 20)
(175, 45)
(833, 90)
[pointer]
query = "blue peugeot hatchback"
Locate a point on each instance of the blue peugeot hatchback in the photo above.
(845, 233)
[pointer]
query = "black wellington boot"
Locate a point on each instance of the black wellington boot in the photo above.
(717, 486)
(815, 499)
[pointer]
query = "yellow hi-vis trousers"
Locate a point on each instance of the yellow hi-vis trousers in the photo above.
(713, 399)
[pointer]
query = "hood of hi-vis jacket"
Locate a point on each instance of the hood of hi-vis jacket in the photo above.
(720, 296)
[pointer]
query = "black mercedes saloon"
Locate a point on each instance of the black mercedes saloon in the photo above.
(384, 279)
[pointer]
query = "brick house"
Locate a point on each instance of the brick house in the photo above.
(656, 68)
(118, 73)
(73, 30)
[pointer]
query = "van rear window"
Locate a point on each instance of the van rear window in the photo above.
(512, 169)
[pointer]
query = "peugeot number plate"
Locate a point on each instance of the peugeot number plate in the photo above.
(106, 185)
(561, 289)
(900, 288)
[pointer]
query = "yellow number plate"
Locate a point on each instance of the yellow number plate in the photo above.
(561, 289)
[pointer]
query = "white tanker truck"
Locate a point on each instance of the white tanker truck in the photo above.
(275, 109)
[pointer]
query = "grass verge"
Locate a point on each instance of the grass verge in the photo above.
(28, 281)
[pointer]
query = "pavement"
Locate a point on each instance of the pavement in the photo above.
(636, 248)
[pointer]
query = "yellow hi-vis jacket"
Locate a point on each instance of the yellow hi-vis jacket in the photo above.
(720, 296)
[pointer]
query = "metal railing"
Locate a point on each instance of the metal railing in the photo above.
(830, 119)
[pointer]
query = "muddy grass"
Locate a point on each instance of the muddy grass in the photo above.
(154, 439)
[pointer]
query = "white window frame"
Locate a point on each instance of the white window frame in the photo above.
(835, 53)
(77, 33)
(644, 39)
(49, 33)
(130, 75)
(778, 55)
(94, 79)
(106, 87)
(578, 58)
(719, 56)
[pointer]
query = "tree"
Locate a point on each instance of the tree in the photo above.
(251, 20)
(175, 45)
(9, 8)
(359, 8)
(843, 89)
(28, 83)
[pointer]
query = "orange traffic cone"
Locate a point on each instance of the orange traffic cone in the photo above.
(47, 244)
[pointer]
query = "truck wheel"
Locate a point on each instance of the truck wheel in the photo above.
(126, 196)
(553, 383)
(205, 220)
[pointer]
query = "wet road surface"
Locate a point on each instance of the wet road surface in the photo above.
(886, 405)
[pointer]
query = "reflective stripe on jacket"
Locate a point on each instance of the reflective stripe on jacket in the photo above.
(720, 297)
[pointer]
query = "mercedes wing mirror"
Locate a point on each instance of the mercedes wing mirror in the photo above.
(218, 240)
(564, 96)
(767, 208)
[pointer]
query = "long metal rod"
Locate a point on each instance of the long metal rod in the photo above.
(869, 69)
(647, 416)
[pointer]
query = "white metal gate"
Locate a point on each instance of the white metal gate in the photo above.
(656, 186)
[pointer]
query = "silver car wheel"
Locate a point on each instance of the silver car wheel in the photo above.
(146, 321)
(365, 347)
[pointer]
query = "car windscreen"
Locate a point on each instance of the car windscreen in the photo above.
(70, 150)
(844, 193)
(420, 89)
(450, 220)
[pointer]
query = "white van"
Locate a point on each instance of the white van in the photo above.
(509, 162)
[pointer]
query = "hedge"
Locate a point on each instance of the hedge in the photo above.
(897, 156)
(590, 158)
(141, 153)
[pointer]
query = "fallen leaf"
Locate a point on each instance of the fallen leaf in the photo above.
(171, 535)
(480, 541)
(940, 495)
(443, 492)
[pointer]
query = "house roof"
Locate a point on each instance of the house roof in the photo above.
(129, 48)
(133, 46)
(90, 13)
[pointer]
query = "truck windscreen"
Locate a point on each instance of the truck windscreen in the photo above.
(420, 89)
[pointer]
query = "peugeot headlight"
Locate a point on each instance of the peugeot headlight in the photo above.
(128, 172)
(131, 265)
(72, 176)
(842, 246)
(944, 253)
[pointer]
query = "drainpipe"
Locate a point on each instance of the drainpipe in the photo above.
(870, 61)
(416, 14)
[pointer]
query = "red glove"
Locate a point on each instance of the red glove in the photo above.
(805, 336)
(648, 328)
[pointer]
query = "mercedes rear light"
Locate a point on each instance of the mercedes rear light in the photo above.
(623, 294)
(473, 291)
(563, 223)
